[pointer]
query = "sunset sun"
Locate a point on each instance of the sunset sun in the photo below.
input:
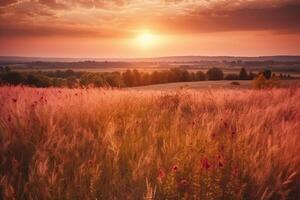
(146, 39)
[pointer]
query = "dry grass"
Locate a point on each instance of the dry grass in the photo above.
(111, 144)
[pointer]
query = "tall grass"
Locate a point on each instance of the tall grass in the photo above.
(114, 144)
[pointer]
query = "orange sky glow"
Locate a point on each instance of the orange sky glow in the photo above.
(149, 28)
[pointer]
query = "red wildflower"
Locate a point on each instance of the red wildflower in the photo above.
(235, 172)
(9, 118)
(221, 164)
(14, 100)
(226, 125)
(161, 174)
(205, 164)
(175, 168)
(183, 183)
(91, 162)
(76, 94)
(14, 163)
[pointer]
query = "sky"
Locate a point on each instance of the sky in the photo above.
(149, 28)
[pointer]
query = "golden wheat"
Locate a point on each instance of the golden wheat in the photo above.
(121, 144)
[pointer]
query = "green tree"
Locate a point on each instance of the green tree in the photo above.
(267, 73)
(71, 82)
(38, 80)
(200, 76)
(14, 78)
(243, 74)
(215, 74)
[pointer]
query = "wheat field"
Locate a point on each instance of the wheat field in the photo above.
(121, 144)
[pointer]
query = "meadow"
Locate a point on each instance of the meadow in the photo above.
(95, 143)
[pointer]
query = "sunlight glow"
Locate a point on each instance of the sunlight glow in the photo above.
(146, 39)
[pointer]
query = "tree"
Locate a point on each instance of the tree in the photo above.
(128, 78)
(243, 74)
(7, 69)
(71, 82)
(185, 76)
(200, 76)
(267, 73)
(38, 80)
(215, 74)
(58, 82)
(14, 78)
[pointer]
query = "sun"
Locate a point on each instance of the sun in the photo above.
(146, 39)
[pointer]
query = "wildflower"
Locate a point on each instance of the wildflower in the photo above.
(220, 163)
(161, 175)
(91, 162)
(233, 133)
(235, 172)
(9, 118)
(205, 164)
(76, 94)
(14, 163)
(225, 125)
(14, 100)
(183, 183)
(175, 168)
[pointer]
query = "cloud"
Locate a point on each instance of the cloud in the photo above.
(118, 18)
(53, 4)
(285, 17)
(4, 3)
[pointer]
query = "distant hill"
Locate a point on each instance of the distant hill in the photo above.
(14, 59)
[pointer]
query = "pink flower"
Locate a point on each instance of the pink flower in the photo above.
(220, 164)
(225, 124)
(90, 162)
(183, 183)
(175, 168)
(205, 164)
(162, 173)
(235, 172)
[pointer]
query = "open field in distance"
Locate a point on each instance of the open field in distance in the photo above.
(224, 84)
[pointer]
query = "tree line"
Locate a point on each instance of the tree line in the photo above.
(128, 78)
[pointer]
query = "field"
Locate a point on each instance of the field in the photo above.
(233, 84)
(146, 144)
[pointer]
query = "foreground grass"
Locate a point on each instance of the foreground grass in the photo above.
(106, 144)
